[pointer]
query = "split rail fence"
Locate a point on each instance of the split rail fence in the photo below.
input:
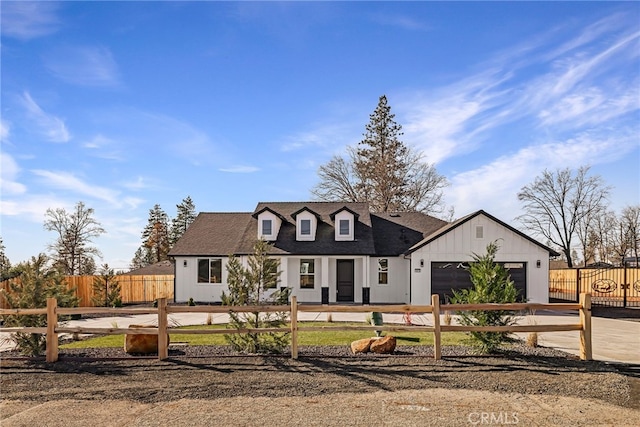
(163, 331)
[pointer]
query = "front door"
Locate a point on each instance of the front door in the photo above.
(345, 280)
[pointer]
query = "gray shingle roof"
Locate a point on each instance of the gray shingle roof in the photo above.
(220, 234)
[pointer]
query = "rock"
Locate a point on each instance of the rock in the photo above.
(361, 346)
(384, 345)
(141, 343)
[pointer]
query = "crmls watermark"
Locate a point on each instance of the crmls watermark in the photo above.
(495, 418)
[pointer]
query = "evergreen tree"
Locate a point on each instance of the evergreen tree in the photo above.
(5, 265)
(185, 215)
(381, 161)
(106, 289)
(155, 236)
(141, 258)
(382, 171)
(491, 284)
(71, 251)
(36, 283)
(248, 286)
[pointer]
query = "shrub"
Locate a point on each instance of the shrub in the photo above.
(36, 283)
(106, 289)
(248, 286)
(491, 284)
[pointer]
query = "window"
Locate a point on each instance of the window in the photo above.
(479, 232)
(307, 273)
(305, 227)
(209, 270)
(344, 227)
(383, 271)
(266, 227)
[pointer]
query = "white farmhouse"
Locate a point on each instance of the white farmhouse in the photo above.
(332, 252)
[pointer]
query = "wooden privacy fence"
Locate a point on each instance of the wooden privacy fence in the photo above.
(133, 289)
(163, 310)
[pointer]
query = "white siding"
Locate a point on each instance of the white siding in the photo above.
(460, 243)
(187, 285)
(397, 289)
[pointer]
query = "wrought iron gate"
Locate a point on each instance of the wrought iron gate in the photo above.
(609, 286)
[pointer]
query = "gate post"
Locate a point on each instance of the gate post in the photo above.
(293, 318)
(625, 285)
(435, 310)
(163, 341)
(52, 324)
(585, 332)
(577, 284)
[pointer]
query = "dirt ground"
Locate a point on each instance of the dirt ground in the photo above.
(328, 387)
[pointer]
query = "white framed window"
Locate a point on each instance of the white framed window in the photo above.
(345, 227)
(305, 227)
(209, 270)
(479, 232)
(307, 273)
(383, 271)
(267, 229)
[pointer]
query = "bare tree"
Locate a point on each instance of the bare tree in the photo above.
(557, 202)
(602, 236)
(71, 251)
(382, 171)
(628, 233)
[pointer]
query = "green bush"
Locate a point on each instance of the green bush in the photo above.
(248, 286)
(36, 282)
(106, 289)
(491, 284)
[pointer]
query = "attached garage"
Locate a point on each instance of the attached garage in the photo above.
(454, 275)
(440, 262)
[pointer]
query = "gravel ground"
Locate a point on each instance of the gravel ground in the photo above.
(322, 378)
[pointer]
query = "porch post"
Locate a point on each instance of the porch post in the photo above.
(324, 281)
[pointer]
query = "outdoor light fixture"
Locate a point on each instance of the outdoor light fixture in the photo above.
(538, 264)
(421, 263)
(184, 263)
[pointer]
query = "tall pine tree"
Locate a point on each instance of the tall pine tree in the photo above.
(185, 215)
(155, 236)
(382, 171)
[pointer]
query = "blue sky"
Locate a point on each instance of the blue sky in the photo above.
(123, 105)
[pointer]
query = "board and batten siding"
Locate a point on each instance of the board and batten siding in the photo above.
(461, 242)
(187, 285)
(397, 289)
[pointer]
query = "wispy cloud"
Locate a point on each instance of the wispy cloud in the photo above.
(62, 180)
(9, 171)
(553, 91)
(4, 130)
(104, 148)
(401, 21)
(240, 169)
(326, 136)
(84, 66)
(32, 207)
(49, 125)
(506, 175)
(27, 20)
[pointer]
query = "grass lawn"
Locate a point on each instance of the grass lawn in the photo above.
(304, 338)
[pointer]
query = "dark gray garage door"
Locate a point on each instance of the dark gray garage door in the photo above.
(446, 276)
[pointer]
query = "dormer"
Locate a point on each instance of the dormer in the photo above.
(269, 223)
(344, 221)
(306, 224)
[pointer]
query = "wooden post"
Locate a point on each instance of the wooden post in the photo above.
(163, 342)
(294, 327)
(435, 303)
(52, 324)
(585, 332)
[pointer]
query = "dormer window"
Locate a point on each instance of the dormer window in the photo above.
(266, 227)
(344, 222)
(345, 227)
(306, 224)
(269, 223)
(305, 227)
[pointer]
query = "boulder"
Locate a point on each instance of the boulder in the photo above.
(385, 345)
(361, 346)
(141, 343)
